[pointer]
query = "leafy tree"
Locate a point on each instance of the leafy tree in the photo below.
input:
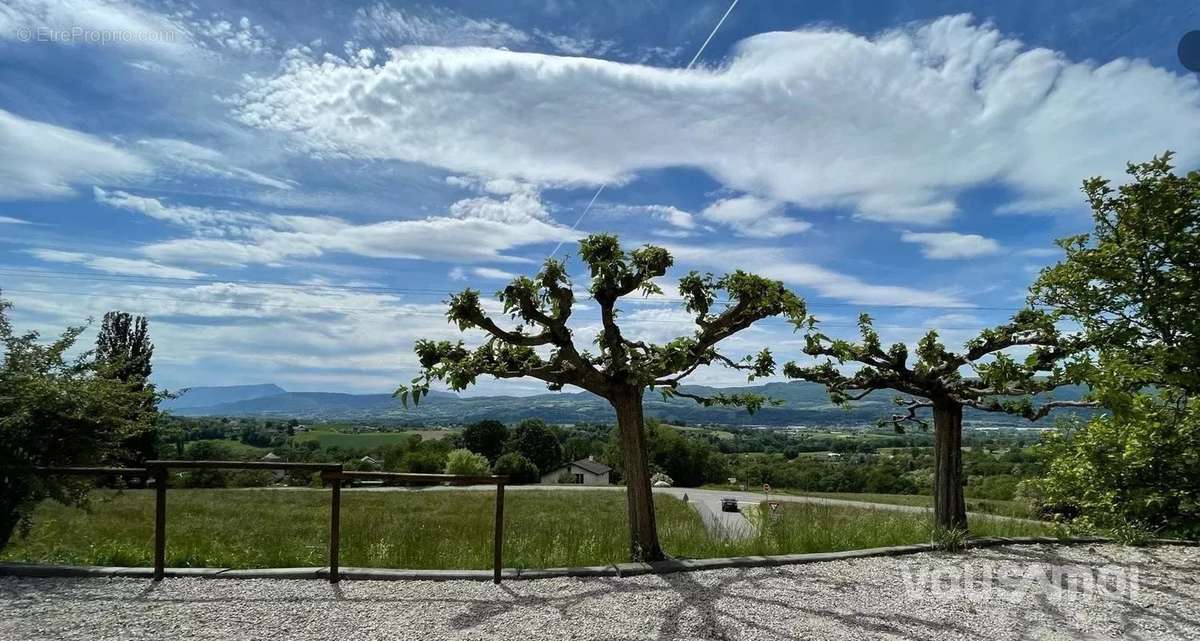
(935, 382)
(622, 369)
(576, 448)
(690, 462)
(423, 461)
(123, 347)
(124, 353)
(1133, 284)
(208, 451)
(466, 462)
(534, 440)
(55, 411)
(486, 438)
(517, 468)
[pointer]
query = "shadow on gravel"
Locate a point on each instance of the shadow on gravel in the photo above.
(787, 602)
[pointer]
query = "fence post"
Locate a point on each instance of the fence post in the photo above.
(497, 561)
(160, 521)
(335, 523)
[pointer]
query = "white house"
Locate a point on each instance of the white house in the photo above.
(586, 471)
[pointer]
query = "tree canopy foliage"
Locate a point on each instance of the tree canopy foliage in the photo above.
(934, 381)
(465, 462)
(1133, 285)
(1001, 382)
(542, 306)
(57, 409)
(535, 441)
(541, 345)
(486, 438)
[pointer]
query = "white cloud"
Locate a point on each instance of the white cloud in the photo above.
(893, 126)
(115, 265)
(775, 263)
(948, 245)
(194, 159)
(669, 214)
(1042, 252)
(435, 25)
(475, 229)
(754, 217)
(9, 220)
(45, 161)
(493, 273)
(239, 36)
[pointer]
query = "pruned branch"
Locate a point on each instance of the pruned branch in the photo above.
(543, 304)
(911, 406)
(1026, 409)
(1056, 360)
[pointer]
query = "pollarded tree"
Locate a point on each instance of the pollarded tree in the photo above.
(1000, 383)
(541, 346)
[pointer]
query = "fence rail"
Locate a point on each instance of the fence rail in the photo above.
(331, 473)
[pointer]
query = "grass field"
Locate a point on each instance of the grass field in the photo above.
(432, 529)
(984, 506)
(365, 440)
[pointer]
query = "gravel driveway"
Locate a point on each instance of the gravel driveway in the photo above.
(1014, 593)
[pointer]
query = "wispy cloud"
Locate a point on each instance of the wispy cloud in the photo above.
(1014, 111)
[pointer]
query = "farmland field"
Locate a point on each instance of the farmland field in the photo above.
(430, 529)
(365, 440)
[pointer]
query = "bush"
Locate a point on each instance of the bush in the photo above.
(518, 469)
(466, 462)
(250, 478)
(1132, 474)
(202, 478)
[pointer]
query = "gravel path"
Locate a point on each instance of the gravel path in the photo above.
(880, 598)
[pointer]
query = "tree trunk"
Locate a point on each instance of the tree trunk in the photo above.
(949, 507)
(643, 533)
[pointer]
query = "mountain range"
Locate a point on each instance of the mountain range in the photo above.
(805, 404)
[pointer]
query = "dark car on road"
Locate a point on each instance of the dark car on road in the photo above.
(729, 505)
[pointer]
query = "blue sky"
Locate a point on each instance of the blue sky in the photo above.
(290, 189)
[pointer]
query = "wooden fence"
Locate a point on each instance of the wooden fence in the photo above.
(331, 473)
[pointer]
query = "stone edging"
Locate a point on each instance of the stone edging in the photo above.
(612, 570)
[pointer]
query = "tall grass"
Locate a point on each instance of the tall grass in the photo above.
(433, 529)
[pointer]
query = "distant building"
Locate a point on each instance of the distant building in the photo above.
(272, 457)
(586, 471)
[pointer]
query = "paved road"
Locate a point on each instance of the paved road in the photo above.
(719, 523)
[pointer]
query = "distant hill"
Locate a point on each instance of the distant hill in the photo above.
(803, 404)
(210, 396)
